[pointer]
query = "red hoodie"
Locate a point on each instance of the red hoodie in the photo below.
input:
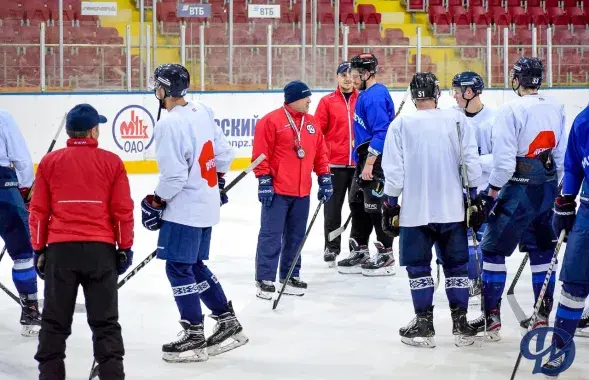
(275, 138)
(335, 116)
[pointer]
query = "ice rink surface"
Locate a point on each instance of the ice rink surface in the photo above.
(345, 327)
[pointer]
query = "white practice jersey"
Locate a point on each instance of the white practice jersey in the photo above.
(483, 125)
(190, 149)
(525, 127)
(14, 151)
(421, 163)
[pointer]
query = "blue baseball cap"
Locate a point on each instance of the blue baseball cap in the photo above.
(83, 117)
(343, 67)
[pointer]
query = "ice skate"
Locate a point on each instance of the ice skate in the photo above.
(295, 287)
(474, 291)
(420, 331)
(553, 365)
(191, 347)
(227, 333)
(265, 289)
(382, 264)
(329, 257)
(492, 320)
(464, 333)
(30, 318)
(359, 255)
(583, 326)
(541, 318)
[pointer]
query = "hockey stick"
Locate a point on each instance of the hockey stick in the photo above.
(252, 166)
(340, 230)
(464, 180)
(294, 262)
(541, 295)
(515, 307)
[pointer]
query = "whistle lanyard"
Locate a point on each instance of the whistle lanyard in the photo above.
(298, 143)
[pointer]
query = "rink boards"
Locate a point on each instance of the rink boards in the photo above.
(132, 117)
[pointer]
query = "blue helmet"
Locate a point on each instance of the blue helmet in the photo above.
(469, 79)
(528, 71)
(173, 78)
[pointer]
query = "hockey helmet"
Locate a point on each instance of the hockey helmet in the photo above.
(466, 80)
(365, 62)
(425, 86)
(173, 78)
(529, 73)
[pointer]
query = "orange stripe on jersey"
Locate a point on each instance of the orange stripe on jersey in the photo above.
(545, 140)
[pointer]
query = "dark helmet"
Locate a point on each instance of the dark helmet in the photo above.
(469, 79)
(365, 62)
(425, 86)
(173, 78)
(528, 72)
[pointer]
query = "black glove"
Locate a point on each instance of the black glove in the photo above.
(480, 208)
(39, 262)
(390, 216)
(152, 208)
(221, 180)
(124, 260)
(564, 214)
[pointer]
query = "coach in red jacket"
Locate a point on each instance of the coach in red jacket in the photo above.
(293, 144)
(81, 225)
(335, 117)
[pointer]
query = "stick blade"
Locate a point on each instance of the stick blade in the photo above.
(274, 304)
(335, 233)
(514, 305)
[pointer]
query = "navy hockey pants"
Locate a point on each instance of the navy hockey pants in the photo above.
(282, 230)
(14, 230)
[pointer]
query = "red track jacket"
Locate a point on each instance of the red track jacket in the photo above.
(275, 138)
(81, 194)
(335, 116)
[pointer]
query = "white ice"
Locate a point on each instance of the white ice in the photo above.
(345, 327)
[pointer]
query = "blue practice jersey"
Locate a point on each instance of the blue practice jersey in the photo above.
(374, 113)
(576, 159)
(14, 151)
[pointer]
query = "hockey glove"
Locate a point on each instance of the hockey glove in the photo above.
(325, 187)
(152, 208)
(124, 260)
(221, 180)
(265, 190)
(476, 215)
(24, 193)
(390, 216)
(39, 262)
(564, 214)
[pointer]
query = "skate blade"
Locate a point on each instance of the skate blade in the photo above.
(30, 330)
(384, 271)
(427, 342)
(292, 291)
(474, 300)
(583, 333)
(189, 356)
(490, 336)
(264, 295)
(330, 264)
(350, 270)
(228, 344)
(463, 340)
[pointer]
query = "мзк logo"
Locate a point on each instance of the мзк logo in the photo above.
(132, 129)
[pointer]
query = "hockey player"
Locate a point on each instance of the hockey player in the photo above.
(16, 177)
(335, 117)
(373, 115)
(436, 216)
(294, 147)
(192, 154)
(467, 88)
(575, 267)
(82, 231)
(529, 141)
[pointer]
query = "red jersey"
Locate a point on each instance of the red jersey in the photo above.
(275, 137)
(81, 194)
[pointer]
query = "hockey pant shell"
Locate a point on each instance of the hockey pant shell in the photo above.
(575, 264)
(282, 229)
(341, 178)
(415, 245)
(521, 216)
(190, 281)
(94, 267)
(14, 231)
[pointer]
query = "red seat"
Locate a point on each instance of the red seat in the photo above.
(519, 16)
(166, 12)
(538, 16)
(459, 15)
(368, 14)
(416, 5)
(578, 16)
(372, 31)
(28, 35)
(347, 15)
(478, 16)
(557, 16)
(440, 19)
(533, 3)
(455, 3)
(7, 34)
(500, 16)
(570, 4)
(514, 3)
(434, 2)
(471, 3)
(11, 11)
(551, 3)
(107, 35)
(494, 3)
(325, 13)
(36, 10)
